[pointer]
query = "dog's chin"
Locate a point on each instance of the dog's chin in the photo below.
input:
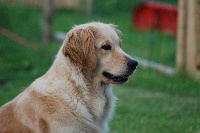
(110, 78)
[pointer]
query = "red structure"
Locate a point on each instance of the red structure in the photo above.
(155, 16)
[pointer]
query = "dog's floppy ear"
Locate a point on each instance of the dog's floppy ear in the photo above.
(80, 47)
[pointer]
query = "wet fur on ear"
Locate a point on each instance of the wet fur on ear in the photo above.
(80, 48)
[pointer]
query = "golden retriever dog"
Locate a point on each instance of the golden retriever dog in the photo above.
(75, 95)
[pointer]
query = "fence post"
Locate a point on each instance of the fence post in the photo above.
(48, 7)
(188, 50)
(88, 8)
(191, 47)
(198, 41)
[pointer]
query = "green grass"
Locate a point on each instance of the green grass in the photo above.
(145, 111)
(150, 102)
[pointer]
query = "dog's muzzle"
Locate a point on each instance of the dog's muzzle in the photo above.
(131, 65)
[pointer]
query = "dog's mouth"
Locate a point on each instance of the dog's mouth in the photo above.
(118, 79)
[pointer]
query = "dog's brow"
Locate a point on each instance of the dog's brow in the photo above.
(107, 42)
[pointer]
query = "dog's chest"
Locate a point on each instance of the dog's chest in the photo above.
(98, 103)
(102, 104)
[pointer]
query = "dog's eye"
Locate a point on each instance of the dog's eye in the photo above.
(106, 47)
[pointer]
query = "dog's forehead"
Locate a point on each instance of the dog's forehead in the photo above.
(101, 28)
(102, 31)
(107, 31)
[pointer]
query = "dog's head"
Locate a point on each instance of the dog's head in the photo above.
(97, 47)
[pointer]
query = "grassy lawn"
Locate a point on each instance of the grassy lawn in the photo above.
(150, 102)
(145, 111)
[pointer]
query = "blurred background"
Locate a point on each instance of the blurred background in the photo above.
(162, 96)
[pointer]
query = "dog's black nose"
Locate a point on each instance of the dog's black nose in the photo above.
(132, 63)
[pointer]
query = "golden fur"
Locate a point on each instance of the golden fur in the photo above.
(73, 96)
